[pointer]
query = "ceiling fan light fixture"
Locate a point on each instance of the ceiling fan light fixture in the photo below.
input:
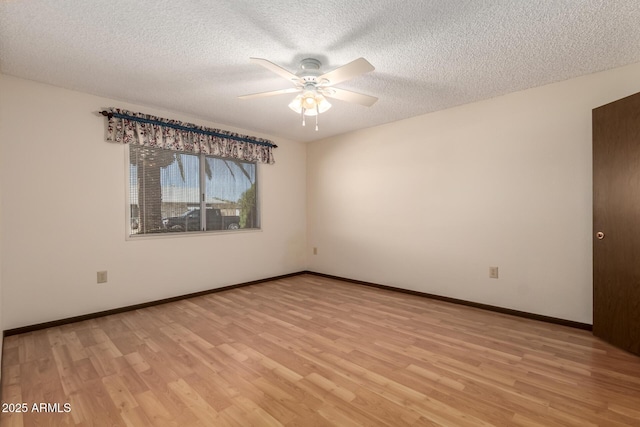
(311, 105)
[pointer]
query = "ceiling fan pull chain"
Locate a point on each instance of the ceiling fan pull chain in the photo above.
(302, 115)
(317, 114)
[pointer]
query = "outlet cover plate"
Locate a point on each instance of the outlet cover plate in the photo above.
(102, 277)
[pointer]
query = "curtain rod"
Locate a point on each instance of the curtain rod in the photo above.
(110, 114)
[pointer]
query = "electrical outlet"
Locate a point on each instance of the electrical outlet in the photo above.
(493, 272)
(102, 276)
(315, 251)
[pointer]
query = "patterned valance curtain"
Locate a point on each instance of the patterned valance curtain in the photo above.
(127, 127)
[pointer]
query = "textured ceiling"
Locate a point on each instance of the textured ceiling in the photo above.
(192, 56)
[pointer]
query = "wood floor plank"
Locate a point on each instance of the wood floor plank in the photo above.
(155, 410)
(312, 351)
(196, 404)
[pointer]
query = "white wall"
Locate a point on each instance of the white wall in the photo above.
(63, 215)
(2, 125)
(429, 203)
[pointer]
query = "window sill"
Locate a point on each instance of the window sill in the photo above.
(173, 235)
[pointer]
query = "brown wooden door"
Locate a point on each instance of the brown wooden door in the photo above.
(616, 213)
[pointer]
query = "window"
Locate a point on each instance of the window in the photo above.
(177, 192)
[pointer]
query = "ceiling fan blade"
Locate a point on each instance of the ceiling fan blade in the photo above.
(276, 69)
(346, 72)
(347, 95)
(270, 93)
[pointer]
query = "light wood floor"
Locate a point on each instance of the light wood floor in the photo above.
(310, 351)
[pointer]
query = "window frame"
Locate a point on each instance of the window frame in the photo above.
(202, 181)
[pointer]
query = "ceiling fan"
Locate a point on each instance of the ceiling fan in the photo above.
(314, 86)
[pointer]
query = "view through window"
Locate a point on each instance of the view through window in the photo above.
(176, 192)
